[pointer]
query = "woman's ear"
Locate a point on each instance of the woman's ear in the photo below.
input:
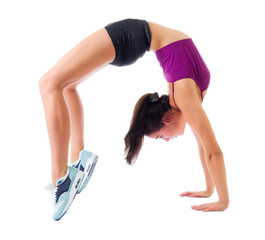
(166, 120)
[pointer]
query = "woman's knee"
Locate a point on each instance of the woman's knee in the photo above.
(50, 82)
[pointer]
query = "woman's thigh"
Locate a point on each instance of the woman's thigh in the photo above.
(88, 56)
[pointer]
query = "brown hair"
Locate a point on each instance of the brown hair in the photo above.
(147, 118)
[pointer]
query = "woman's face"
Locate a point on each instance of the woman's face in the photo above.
(174, 125)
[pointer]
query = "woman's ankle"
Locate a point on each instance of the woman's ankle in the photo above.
(75, 154)
(56, 175)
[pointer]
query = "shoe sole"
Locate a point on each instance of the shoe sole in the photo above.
(88, 171)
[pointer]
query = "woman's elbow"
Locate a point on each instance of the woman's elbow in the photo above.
(215, 156)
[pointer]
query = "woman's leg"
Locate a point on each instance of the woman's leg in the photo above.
(88, 56)
(76, 121)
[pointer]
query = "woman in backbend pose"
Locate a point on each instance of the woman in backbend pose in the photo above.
(122, 43)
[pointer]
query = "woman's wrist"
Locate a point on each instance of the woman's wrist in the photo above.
(210, 188)
(209, 191)
(225, 202)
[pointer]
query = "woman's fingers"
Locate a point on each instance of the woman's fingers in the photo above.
(208, 207)
(200, 207)
(195, 194)
(185, 194)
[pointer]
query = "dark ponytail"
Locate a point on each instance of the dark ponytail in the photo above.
(147, 118)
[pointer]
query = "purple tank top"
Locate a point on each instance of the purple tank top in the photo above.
(182, 59)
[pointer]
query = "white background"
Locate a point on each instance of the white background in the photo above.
(140, 201)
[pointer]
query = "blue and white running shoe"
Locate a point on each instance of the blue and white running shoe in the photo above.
(65, 191)
(85, 163)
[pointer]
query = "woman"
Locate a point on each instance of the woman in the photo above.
(120, 44)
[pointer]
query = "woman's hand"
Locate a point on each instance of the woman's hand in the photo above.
(208, 207)
(204, 194)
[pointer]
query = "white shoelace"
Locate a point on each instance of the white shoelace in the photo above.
(52, 190)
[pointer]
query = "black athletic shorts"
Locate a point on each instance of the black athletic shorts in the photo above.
(131, 38)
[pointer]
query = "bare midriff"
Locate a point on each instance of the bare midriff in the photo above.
(162, 36)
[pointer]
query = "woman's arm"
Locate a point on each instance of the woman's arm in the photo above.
(209, 182)
(188, 102)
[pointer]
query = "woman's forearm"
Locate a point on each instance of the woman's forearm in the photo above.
(216, 168)
(208, 179)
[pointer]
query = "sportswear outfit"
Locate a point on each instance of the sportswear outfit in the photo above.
(131, 38)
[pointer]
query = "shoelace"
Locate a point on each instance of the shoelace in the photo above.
(53, 191)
